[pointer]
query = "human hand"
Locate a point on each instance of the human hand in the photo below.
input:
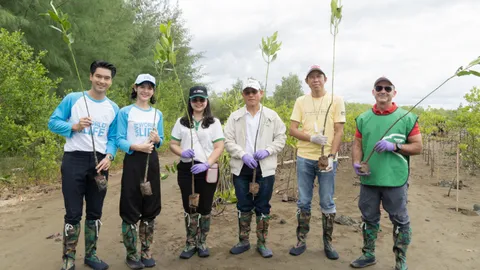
(261, 154)
(249, 161)
(330, 165)
(189, 153)
(146, 147)
(153, 136)
(201, 167)
(103, 165)
(356, 167)
(319, 139)
(83, 123)
(384, 145)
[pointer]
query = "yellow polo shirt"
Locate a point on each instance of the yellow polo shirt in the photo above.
(309, 111)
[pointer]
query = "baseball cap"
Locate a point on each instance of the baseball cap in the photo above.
(382, 79)
(252, 83)
(198, 91)
(314, 68)
(145, 78)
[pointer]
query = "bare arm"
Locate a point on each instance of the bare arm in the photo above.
(357, 153)
(337, 137)
(295, 132)
(175, 147)
(413, 146)
(217, 151)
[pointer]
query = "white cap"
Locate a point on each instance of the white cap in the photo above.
(251, 83)
(145, 78)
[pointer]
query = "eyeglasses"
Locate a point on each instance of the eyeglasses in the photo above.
(195, 100)
(379, 88)
(250, 91)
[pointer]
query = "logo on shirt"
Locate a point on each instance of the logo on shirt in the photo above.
(142, 129)
(99, 129)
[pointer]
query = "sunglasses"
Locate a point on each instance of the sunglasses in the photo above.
(195, 100)
(379, 88)
(250, 91)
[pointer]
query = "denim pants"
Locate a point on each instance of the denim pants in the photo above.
(307, 171)
(245, 200)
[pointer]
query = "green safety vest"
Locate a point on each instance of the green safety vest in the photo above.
(387, 169)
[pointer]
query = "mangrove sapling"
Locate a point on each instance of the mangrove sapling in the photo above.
(461, 71)
(62, 19)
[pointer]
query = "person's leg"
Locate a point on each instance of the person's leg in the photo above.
(74, 170)
(152, 205)
(262, 211)
(369, 204)
(94, 204)
(326, 191)
(395, 203)
(306, 174)
(244, 206)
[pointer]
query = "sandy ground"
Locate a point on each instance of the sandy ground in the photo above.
(442, 238)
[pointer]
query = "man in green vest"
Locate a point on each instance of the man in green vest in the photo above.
(386, 180)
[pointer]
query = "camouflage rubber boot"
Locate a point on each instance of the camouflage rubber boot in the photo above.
(244, 220)
(263, 222)
(370, 232)
(204, 228)
(70, 240)
(327, 222)
(402, 237)
(303, 227)
(129, 233)
(191, 226)
(92, 229)
(146, 238)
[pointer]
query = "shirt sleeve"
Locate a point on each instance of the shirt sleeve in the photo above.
(297, 111)
(176, 131)
(58, 122)
(415, 130)
(217, 132)
(122, 127)
(160, 129)
(112, 134)
(339, 113)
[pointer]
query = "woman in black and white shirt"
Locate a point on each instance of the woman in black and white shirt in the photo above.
(198, 137)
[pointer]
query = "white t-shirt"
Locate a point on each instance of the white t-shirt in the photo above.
(203, 139)
(252, 127)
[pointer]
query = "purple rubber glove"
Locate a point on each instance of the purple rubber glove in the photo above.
(384, 145)
(198, 168)
(189, 153)
(249, 161)
(357, 167)
(261, 154)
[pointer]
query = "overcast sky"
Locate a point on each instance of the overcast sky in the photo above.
(416, 43)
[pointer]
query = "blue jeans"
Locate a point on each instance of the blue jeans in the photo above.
(307, 171)
(245, 200)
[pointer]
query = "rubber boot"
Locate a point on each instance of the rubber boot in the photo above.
(244, 221)
(146, 238)
(327, 222)
(402, 237)
(369, 232)
(191, 226)
(129, 233)
(70, 241)
(92, 229)
(263, 222)
(303, 227)
(204, 228)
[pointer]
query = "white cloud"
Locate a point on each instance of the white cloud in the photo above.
(417, 43)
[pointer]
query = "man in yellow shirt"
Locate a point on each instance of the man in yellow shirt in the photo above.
(307, 125)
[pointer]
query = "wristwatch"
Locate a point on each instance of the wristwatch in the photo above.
(398, 147)
(331, 155)
(110, 156)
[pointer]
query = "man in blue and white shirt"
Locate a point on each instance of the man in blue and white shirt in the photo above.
(76, 118)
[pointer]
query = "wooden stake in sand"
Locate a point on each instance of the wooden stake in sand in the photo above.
(458, 173)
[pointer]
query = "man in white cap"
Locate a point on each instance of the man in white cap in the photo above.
(317, 122)
(387, 179)
(254, 135)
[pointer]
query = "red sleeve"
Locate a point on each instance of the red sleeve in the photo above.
(415, 130)
(358, 134)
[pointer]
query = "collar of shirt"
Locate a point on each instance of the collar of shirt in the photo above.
(388, 111)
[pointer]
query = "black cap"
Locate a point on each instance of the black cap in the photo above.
(198, 91)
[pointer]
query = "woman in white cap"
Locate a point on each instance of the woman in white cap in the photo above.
(207, 146)
(140, 132)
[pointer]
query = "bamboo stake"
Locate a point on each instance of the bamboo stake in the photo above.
(458, 174)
